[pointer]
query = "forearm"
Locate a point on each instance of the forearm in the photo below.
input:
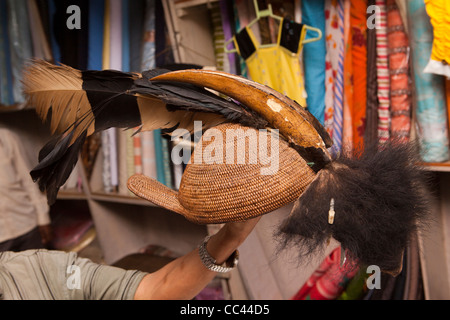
(185, 277)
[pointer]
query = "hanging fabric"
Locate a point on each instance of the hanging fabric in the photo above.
(356, 288)
(429, 88)
(148, 44)
(358, 24)
(274, 63)
(331, 57)
(371, 131)
(137, 12)
(105, 137)
(383, 86)
(163, 47)
(329, 280)
(222, 63)
(334, 70)
(20, 44)
(313, 14)
(116, 34)
(39, 39)
(447, 93)
(439, 12)
(95, 37)
(73, 43)
(6, 91)
(347, 128)
(275, 66)
(244, 13)
(226, 14)
(400, 91)
(339, 81)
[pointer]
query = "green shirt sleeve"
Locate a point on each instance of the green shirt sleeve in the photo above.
(56, 275)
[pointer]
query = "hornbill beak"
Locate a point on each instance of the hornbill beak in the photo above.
(294, 122)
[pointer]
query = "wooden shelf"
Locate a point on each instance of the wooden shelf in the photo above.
(71, 195)
(437, 166)
(14, 107)
(119, 198)
(191, 3)
(182, 7)
(189, 31)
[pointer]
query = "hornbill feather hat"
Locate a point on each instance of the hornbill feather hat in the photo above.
(369, 201)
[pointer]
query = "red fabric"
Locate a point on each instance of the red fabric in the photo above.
(358, 24)
(329, 280)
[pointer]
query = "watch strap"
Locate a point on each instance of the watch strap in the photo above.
(210, 263)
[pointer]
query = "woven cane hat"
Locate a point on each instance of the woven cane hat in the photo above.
(262, 174)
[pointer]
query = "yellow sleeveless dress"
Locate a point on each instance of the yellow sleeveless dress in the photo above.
(439, 13)
(277, 66)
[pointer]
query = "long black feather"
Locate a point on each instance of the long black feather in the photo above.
(112, 107)
(56, 162)
(182, 96)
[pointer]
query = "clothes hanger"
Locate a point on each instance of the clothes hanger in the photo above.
(317, 30)
(269, 13)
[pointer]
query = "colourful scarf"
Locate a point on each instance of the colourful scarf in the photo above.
(383, 85)
(334, 72)
(398, 44)
(329, 280)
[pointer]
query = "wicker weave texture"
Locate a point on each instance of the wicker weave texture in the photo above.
(262, 175)
(233, 191)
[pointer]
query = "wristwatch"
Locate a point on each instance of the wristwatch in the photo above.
(210, 263)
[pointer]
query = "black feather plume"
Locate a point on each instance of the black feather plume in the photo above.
(80, 103)
(56, 162)
(112, 107)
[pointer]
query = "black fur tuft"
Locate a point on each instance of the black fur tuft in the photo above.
(380, 198)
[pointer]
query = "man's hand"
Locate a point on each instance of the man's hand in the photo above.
(229, 238)
(240, 230)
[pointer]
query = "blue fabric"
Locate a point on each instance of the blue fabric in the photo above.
(21, 46)
(137, 12)
(56, 52)
(431, 111)
(148, 50)
(125, 36)
(96, 26)
(6, 93)
(313, 14)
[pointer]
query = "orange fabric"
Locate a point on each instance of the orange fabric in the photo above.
(358, 20)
